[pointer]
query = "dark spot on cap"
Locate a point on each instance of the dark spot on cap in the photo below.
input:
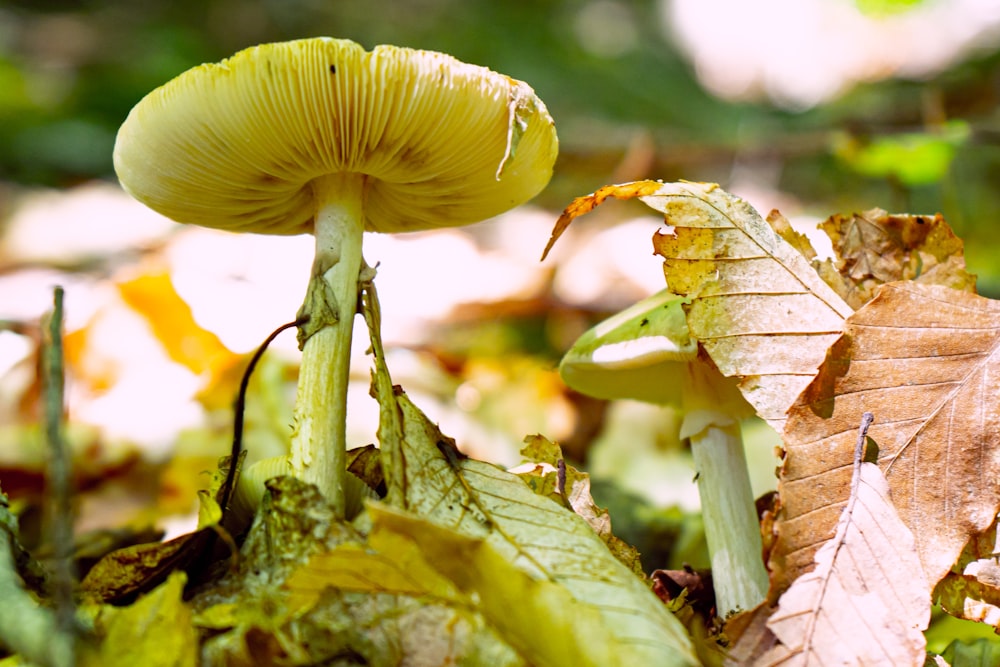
(333, 69)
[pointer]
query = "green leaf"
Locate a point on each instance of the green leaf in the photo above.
(539, 617)
(915, 158)
(427, 475)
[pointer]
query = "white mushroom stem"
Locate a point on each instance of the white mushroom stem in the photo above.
(319, 438)
(732, 529)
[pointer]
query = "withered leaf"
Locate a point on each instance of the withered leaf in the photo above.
(427, 475)
(867, 601)
(874, 248)
(757, 307)
(157, 630)
(567, 485)
(924, 358)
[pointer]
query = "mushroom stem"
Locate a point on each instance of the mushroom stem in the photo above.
(731, 527)
(319, 438)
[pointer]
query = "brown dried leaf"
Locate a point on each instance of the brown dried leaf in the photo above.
(924, 359)
(783, 228)
(874, 248)
(867, 601)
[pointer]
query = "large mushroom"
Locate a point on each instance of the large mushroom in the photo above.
(646, 353)
(321, 136)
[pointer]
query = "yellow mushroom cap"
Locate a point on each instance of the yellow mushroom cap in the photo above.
(235, 145)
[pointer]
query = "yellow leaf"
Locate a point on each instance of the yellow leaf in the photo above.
(153, 296)
(427, 475)
(387, 563)
(537, 616)
(155, 631)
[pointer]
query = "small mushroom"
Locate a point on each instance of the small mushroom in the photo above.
(321, 136)
(646, 353)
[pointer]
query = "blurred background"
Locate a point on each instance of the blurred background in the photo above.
(813, 107)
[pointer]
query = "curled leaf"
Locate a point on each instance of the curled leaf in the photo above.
(874, 248)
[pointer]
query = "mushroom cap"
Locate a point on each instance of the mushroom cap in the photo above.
(235, 145)
(640, 353)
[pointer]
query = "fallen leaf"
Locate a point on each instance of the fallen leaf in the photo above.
(157, 630)
(783, 228)
(540, 617)
(924, 359)
(757, 307)
(867, 600)
(426, 474)
(153, 296)
(385, 563)
(874, 248)
(564, 484)
(391, 565)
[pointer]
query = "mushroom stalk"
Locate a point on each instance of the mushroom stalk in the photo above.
(319, 439)
(732, 529)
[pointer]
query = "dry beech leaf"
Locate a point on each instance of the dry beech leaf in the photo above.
(426, 474)
(924, 359)
(874, 248)
(783, 228)
(867, 601)
(758, 308)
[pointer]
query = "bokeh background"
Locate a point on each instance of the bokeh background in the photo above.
(810, 106)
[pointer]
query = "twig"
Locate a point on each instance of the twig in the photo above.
(39, 635)
(60, 475)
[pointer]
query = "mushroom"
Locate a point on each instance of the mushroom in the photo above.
(321, 136)
(646, 353)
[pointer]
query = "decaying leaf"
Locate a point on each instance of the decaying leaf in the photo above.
(157, 630)
(554, 478)
(540, 617)
(874, 248)
(138, 568)
(867, 600)
(783, 228)
(385, 563)
(403, 595)
(427, 475)
(924, 358)
(758, 308)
